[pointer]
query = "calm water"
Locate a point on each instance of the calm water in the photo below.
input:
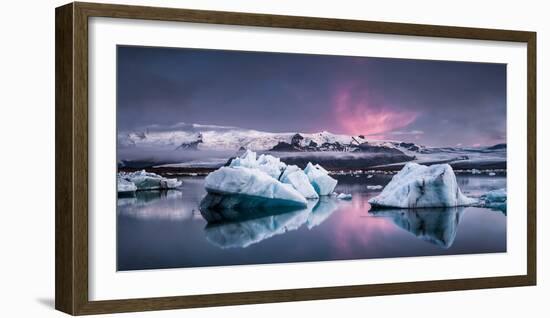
(166, 230)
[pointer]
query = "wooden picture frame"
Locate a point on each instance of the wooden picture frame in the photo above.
(71, 220)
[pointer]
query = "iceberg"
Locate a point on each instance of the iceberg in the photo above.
(495, 200)
(143, 180)
(264, 182)
(124, 185)
(252, 183)
(374, 187)
(418, 186)
(319, 179)
(344, 196)
(299, 180)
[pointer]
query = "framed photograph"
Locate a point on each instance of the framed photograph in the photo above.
(211, 158)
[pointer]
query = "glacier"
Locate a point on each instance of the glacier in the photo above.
(419, 186)
(319, 179)
(142, 180)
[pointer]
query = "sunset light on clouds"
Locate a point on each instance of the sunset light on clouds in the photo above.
(359, 115)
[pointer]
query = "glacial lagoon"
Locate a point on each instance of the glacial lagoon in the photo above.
(166, 229)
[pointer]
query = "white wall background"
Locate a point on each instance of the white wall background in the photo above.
(27, 155)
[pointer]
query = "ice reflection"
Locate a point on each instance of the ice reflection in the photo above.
(434, 225)
(230, 228)
(156, 204)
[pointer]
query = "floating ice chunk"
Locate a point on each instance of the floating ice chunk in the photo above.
(143, 180)
(495, 200)
(344, 196)
(418, 186)
(319, 179)
(124, 185)
(253, 183)
(492, 174)
(374, 187)
(298, 179)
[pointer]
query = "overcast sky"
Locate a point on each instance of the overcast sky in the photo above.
(435, 103)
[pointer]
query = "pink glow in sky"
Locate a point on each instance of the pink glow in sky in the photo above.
(359, 115)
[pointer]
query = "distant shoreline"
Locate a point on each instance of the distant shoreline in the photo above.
(459, 168)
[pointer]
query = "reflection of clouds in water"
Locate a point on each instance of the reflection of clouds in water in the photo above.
(245, 232)
(434, 225)
(162, 205)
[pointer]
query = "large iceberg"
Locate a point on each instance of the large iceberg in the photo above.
(319, 179)
(418, 186)
(250, 181)
(142, 180)
(253, 183)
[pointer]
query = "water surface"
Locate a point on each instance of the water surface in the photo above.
(165, 229)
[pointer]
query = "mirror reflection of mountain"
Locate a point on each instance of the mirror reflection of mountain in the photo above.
(240, 227)
(434, 225)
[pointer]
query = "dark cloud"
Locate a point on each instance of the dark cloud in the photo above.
(431, 102)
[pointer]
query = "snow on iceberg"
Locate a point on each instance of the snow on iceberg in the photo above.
(271, 165)
(299, 180)
(418, 186)
(253, 183)
(319, 179)
(143, 180)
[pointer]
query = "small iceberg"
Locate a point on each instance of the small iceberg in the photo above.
(419, 186)
(319, 179)
(344, 196)
(495, 200)
(264, 182)
(142, 180)
(374, 187)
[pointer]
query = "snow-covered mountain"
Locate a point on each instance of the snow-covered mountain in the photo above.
(210, 137)
(207, 146)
